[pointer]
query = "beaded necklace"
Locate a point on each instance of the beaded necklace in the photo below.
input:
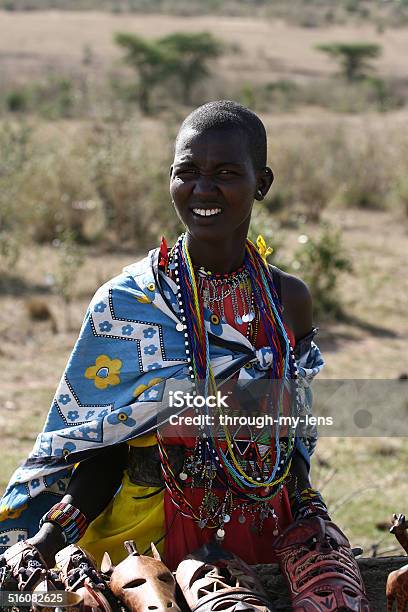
(216, 288)
(216, 465)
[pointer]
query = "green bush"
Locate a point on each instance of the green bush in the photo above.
(179, 57)
(53, 97)
(353, 57)
(320, 262)
(16, 100)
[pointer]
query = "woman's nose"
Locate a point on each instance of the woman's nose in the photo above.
(204, 184)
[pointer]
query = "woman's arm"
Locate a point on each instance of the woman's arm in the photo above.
(297, 305)
(298, 316)
(92, 486)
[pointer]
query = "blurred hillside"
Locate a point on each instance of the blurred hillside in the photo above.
(66, 64)
(307, 13)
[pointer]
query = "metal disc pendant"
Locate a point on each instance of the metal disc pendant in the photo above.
(245, 318)
(250, 316)
(202, 523)
(183, 476)
(275, 532)
(180, 327)
(220, 534)
(226, 518)
(238, 320)
(241, 519)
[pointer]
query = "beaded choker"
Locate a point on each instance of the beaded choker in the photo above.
(247, 480)
(214, 290)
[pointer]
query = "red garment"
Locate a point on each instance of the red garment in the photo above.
(184, 535)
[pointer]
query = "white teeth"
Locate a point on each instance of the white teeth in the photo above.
(206, 213)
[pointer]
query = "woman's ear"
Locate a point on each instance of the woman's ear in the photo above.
(269, 173)
(265, 181)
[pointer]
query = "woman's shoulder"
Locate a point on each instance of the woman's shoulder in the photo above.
(132, 281)
(291, 286)
(296, 302)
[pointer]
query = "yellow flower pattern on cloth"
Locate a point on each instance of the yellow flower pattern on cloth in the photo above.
(264, 251)
(144, 299)
(105, 372)
(8, 513)
(142, 388)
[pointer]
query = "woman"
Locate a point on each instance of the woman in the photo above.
(209, 310)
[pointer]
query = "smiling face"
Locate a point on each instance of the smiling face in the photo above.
(213, 184)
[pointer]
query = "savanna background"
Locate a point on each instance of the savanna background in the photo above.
(91, 95)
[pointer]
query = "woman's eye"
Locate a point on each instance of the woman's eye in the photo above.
(225, 172)
(186, 171)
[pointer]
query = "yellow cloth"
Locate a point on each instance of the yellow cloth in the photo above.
(146, 440)
(125, 518)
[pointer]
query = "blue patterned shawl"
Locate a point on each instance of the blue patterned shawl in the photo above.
(129, 343)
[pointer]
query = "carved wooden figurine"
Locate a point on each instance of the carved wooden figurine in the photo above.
(319, 567)
(213, 579)
(142, 583)
(397, 581)
(78, 573)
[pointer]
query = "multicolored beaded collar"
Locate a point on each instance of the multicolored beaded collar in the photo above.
(217, 459)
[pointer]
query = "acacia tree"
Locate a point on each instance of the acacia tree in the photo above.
(153, 64)
(193, 51)
(179, 55)
(353, 57)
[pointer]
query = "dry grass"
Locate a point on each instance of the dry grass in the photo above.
(367, 487)
(95, 178)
